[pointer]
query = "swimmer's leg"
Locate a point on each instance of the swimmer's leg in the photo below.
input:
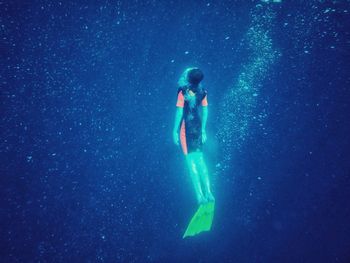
(195, 177)
(204, 176)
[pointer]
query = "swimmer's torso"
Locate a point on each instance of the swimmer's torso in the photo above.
(191, 127)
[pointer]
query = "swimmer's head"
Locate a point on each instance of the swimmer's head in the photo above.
(195, 76)
(190, 76)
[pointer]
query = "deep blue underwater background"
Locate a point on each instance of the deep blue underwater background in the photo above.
(89, 172)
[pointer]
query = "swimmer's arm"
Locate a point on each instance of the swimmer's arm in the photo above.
(178, 118)
(204, 117)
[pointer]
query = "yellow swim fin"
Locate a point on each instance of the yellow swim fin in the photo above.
(202, 220)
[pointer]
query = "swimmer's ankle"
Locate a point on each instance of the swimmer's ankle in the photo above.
(202, 200)
(210, 197)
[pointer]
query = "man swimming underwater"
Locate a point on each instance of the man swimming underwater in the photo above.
(190, 98)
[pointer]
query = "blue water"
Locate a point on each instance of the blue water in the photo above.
(89, 172)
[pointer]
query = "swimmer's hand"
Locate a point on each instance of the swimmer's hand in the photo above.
(176, 137)
(204, 136)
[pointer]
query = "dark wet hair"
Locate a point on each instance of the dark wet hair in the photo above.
(195, 76)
